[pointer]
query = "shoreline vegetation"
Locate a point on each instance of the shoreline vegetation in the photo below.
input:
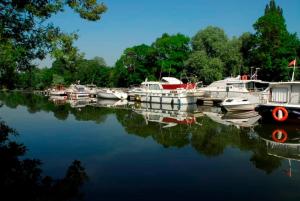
(210, 55)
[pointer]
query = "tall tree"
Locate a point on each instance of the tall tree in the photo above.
(136, 64)
(273, 45)
(171, 52)
(214, 55)
(24, 27)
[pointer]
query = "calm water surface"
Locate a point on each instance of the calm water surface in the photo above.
(143, 152)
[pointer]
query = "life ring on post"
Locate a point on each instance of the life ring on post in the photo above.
(283, 136)
(280, 117)
(245, 77)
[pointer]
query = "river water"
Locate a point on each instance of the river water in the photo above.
(108, 150)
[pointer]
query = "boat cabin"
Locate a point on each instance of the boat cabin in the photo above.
(285, 92)
(248, 85)
(168, 83)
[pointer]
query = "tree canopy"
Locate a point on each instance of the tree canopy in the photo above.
(25, 33)
(273, 46)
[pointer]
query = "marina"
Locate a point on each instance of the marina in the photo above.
(187, 142)
(278, 101)
(149, 100)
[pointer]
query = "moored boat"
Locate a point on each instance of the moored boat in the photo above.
(168, 91)
(111, 94)
(282, 103)
(238, 104)
(232, 87)
(58, 90)
(77, 91)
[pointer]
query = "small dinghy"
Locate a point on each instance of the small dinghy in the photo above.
(238, 104)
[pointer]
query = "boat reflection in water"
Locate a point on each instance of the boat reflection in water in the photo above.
(81, 102)
(238, 119)
(167, 114)
(110, 103)
(283, 143)
(58, 100)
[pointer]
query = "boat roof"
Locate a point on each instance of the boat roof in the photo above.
(247, 81)
(171, 80)
(167, 80)
(285, 83)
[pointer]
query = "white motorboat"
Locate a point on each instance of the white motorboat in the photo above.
(111, 94)
(235, 87)
(168, 91)
(238, 104)
(281, 102)
(76, 91)
(58, 90)
(91, 89)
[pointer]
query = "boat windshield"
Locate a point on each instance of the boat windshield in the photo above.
(257, 86)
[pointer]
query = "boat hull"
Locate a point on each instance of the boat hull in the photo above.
(165, 98)
(111, 95)
(79, 95)
(244, 107)
(266, 112)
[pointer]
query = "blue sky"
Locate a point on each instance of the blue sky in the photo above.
(133, 22)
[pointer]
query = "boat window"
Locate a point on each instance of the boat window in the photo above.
(153, 117)
(154, 87)
(236, 85)
(244, 100)
(279, 95)
(229, 86)
(256, 86)
(229, 100)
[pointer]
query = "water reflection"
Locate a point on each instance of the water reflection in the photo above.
(206, 130)
(23, 179)
(83, 102)
(282, 143)
(168, 115)
(238, 119)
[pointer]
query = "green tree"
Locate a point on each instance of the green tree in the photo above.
(214, 55)
(136, 64)
(273, 45)
(207, 69)
(163, 58)
(100, 61)
(93, 71)
(26, 34)
(171, 52)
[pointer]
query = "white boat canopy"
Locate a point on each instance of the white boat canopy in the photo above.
(171, 80)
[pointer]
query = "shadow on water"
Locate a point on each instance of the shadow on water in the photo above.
(206, 130)
(23, 179)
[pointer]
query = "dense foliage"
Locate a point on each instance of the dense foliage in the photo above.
(26, 35)
(272, 46)
(209, 55)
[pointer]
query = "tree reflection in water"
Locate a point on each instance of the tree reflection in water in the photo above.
(208, 138)
(22, 179)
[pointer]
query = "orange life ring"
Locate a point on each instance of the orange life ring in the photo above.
(285, 114)
(283, 132)
(244, 77)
